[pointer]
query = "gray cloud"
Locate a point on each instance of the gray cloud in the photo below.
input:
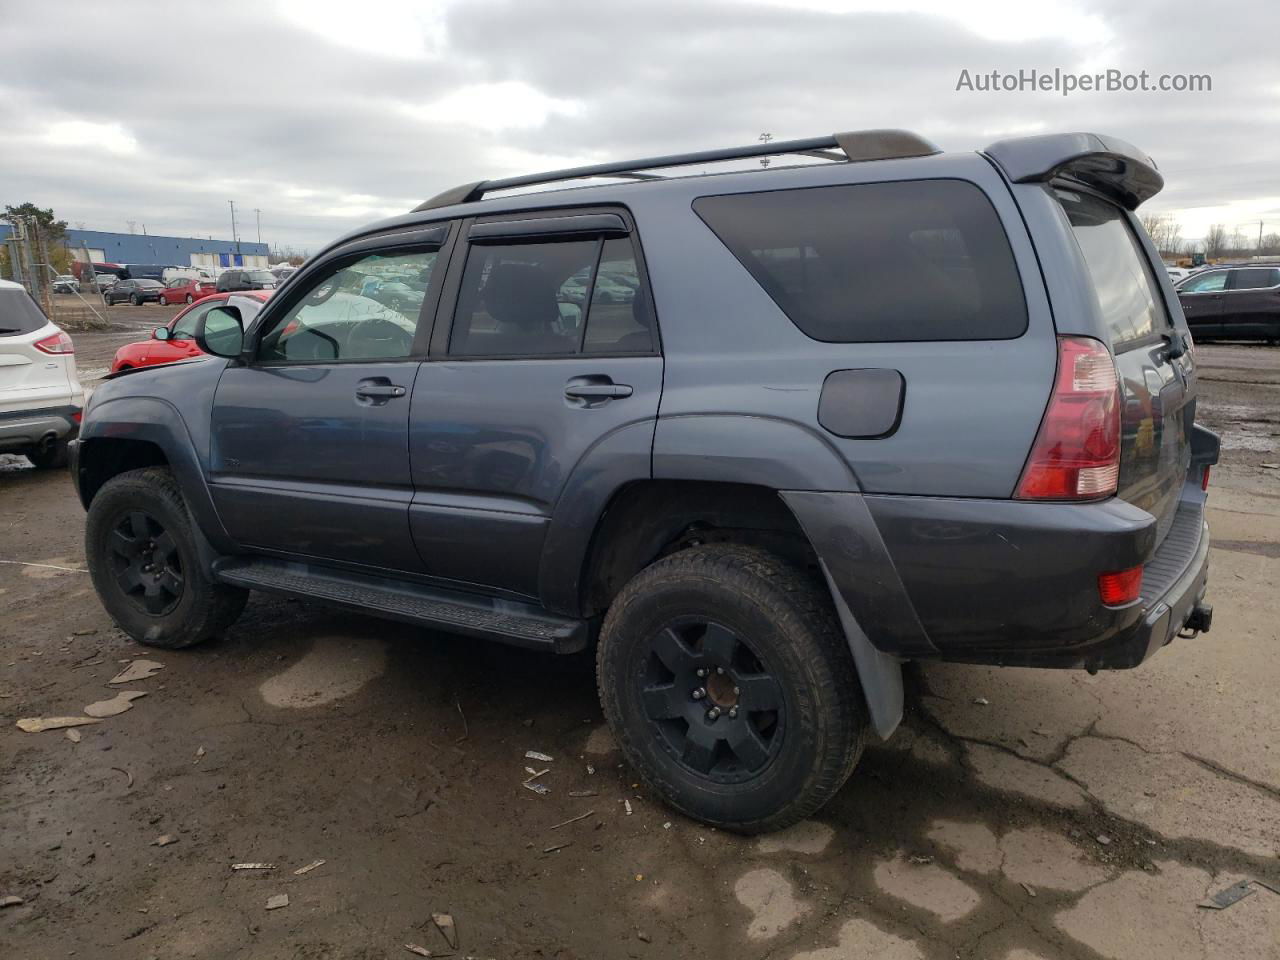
(320, 135)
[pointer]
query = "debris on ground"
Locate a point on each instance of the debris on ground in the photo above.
(541, 789)
(1031, 891)
(137, 670)
(558, 846)
(465, 731)
(643, 937)
(667, 825)
(591, 770)
(127, 786)
(253, 866)
(579, 794)
(920, 860)
(535, 774)
(1235, 893)
(417, 950)
(982, 701)
(309, 867)
(199, 754)
(448, 929)
(164, 840)
(1103, 839)
(540, 757)
(278, 901)
(117, 705)
(73, 735)
(40, 724)
(626, 805)
(565, 823)
(11, 901)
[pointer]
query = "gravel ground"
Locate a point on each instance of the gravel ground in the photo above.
(1018, 814)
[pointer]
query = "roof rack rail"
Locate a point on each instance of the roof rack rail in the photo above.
(855, 146)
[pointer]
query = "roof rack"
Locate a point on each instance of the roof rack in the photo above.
(854, 146)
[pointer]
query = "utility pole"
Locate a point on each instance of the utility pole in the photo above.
(258, 213)
(234, 238)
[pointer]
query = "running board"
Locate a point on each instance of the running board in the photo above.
(507, 621)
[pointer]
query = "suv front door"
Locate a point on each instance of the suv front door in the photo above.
(1201, 299)
(553, 350)
(310, 449)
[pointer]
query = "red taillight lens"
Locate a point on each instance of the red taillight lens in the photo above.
(1076, 455)
(56, 344)
(1204, 479)
(1121, 587)
(78, 416)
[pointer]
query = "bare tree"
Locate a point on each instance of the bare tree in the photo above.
(1270, 244)
(1216, 241)
(1165, 232)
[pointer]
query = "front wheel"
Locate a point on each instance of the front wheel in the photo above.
(141, 549)
(135, 300)
(729, 686)
(190, 298)
(163, 302)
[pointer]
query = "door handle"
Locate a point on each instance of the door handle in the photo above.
(373, 390)
(596, 389)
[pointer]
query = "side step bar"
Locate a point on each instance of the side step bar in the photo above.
(507, 621)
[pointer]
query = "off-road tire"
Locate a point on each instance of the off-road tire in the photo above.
(203, 609)
(785, 618)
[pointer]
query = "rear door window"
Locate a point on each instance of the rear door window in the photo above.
(19, 313)
(1123, 280)
(877, 262)
(1255, 278)
(1205, 283)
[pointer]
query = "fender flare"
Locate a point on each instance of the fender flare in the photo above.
(157, 421)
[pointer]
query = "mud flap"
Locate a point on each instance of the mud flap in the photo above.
(879, 673)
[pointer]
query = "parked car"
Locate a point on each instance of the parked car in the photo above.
(65, 283)
(188, 273)
(237, 279)
(137, 292)
(283, 271)
(173, 341)
(1178, 274)
(41, 399)
(1241, 302)
(185, 290)
(920, 406)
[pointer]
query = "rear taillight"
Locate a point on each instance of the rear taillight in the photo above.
(1204, 478)
(1076, 455)
(58, 343)
(1121, 587)
(78, 416)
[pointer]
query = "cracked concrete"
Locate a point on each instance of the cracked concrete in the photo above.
(927, 886)
(1045, 859)
(770, 898)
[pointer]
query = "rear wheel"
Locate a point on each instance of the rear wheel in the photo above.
(730, 688)
(50, 457)
(163, 301)
(190, 298)
(141, 550)
(135, 300)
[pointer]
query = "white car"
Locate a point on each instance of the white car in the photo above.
(41, 399)
(1178, 274)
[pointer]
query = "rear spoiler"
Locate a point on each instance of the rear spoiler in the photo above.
(1111, 166)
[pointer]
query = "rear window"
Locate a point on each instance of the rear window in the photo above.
(1128, 294)
(1255, 278)
(19, 314)
(867, 263)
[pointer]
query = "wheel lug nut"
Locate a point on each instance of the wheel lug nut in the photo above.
(702, 671)
(736, 691)
(699, 693)
(713, 713)
(733, 713)
(720, 670)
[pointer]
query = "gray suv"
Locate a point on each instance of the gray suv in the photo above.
(758, 436)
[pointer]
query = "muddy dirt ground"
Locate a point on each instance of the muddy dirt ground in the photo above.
(1018, 814)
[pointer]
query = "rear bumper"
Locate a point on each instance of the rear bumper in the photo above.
(1008, 582)
(20, 430)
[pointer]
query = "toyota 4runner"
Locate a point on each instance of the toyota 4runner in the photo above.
(760, 436)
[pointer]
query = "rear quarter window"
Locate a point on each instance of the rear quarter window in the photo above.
(878, 262)
(19, 314)
(1128, 294)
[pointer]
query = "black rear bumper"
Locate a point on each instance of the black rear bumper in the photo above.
(1007, 582)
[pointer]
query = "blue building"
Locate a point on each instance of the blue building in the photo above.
(104, 247)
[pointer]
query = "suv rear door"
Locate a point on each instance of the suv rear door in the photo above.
(552, 349)
(1251, 304)
(1157, 392)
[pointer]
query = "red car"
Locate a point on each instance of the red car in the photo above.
(177, 344)
(185, 290)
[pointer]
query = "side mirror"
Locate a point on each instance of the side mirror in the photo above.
(220, 332)
(162, 333)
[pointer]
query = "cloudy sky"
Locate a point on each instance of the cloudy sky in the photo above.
(327, 114)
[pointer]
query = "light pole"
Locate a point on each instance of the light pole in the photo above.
(234, 238)
(258, 214)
